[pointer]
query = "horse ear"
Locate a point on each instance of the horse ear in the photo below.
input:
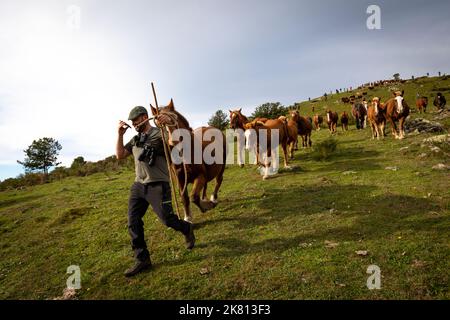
(393, 93)
(240, 110)
(153, 110)
(171, 107)
(403, 92)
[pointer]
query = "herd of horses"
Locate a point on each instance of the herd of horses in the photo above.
(394, 110)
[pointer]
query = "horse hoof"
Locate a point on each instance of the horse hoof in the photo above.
(213, 200)
(206, 205)
(188, 219)
(241, 166)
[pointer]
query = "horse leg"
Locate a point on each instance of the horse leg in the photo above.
(219, 180)
(309, 140)
(373, 130)
(291, 149)
(377, 130)
(204, 205)
(382, 129)
(187, 209)
(401, 128)
(393, 127)
(204, 191)
(285, 152)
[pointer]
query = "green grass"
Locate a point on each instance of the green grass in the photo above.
(265, 239)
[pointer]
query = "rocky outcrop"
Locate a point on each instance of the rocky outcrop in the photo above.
(421, 125)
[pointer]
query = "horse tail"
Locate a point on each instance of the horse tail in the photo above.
(285, 129)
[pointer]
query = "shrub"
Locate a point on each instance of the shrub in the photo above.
(323, 150)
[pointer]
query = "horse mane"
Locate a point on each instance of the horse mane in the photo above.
(242, 116)
(179, 117)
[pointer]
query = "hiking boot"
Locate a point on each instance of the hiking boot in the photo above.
(189, 237)
(138, 267)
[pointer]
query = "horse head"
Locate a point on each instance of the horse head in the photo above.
(176, 119)
(237, 119)
(295, 115)
(399, 100)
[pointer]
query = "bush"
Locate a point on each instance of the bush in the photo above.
(79, 168)
(59, 173)
(323, 150)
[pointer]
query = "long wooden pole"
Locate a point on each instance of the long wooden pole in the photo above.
(166, 153)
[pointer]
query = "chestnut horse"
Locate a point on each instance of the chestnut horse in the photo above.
(332, 120)
(421, 104)
(376, 117)
(238, 121)
(192, 173)
(318, 120)
(254, 132)
(397, 110)
(292, 132)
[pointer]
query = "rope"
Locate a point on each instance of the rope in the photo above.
(166, 153)
(174, 118)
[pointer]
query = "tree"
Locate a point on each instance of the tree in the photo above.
(270, 110)
(219, 120)
(41, 155)
(396, 76)
(77, 162)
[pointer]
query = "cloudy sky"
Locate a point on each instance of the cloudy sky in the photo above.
(72, 77)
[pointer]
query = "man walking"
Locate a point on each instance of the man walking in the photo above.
(151, 186)
(440, 101)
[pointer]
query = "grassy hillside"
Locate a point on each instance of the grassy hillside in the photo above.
(423, 86)
(293, 236)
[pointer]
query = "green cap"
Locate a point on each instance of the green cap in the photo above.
(136, 112)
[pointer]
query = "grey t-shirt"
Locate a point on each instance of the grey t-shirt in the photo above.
(145, 173)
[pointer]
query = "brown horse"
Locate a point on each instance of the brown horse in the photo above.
(359, 112)
(318, 120)
(344, 121)
(421, 104)
(332, 120)
(238, 121)
(376, 117)
(397, 110)
(304, 128)
(292, 131)
(198, 174)
(257, 129)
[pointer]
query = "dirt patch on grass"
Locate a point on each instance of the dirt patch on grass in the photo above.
(70, 215)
